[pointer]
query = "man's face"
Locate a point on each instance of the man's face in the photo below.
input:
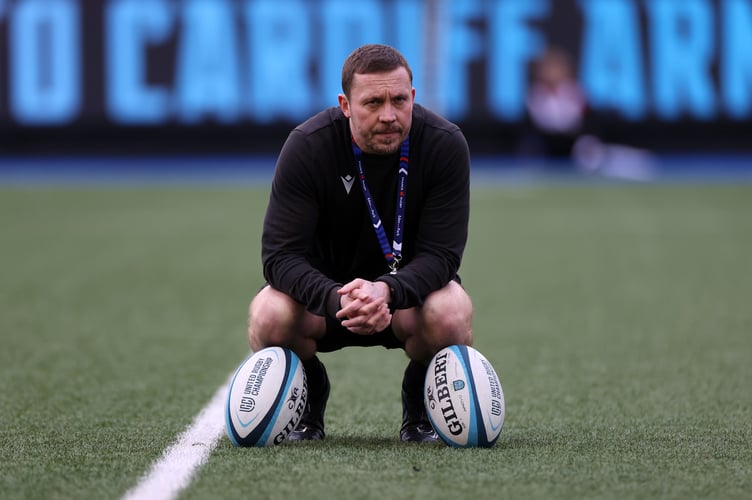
(380, 110)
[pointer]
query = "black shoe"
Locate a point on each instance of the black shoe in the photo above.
(416, 428)
(311, 425)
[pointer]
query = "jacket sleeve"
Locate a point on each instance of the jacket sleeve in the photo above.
(443, 224)
(288, 234)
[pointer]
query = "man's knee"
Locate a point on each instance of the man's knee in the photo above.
(448, 314)
(275, 319)
(444, 319)
(270, 317)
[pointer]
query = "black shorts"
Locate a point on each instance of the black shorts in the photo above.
(338, 337)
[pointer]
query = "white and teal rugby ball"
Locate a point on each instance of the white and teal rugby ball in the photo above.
(463, 397)
(267, 397)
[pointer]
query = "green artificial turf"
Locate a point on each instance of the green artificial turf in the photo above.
(618, 318)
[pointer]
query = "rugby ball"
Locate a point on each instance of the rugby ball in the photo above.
(463, 397)
(267, 397)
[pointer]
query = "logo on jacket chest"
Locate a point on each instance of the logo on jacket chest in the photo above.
(348, 180)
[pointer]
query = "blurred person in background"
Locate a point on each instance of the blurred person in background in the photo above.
(560, 125)
(556, 108)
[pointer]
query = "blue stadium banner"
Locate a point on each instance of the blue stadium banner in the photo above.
(238, 68)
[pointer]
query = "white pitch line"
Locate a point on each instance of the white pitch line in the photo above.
(173, 472)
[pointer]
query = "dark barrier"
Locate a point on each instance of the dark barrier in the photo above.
(222, 75)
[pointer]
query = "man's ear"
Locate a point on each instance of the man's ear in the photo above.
(344, 104)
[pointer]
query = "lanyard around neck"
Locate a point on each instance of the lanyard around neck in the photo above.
(393, 253)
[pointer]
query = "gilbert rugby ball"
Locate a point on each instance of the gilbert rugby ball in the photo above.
(266, 399)
(463, 397)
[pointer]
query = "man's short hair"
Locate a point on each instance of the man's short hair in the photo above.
(372, 58)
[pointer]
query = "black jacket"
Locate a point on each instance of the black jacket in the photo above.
(317, 236)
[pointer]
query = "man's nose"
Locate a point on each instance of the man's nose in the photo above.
(387, 113)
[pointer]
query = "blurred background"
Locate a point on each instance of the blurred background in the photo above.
(522, 77)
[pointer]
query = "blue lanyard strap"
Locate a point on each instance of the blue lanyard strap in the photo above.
(393, 253)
